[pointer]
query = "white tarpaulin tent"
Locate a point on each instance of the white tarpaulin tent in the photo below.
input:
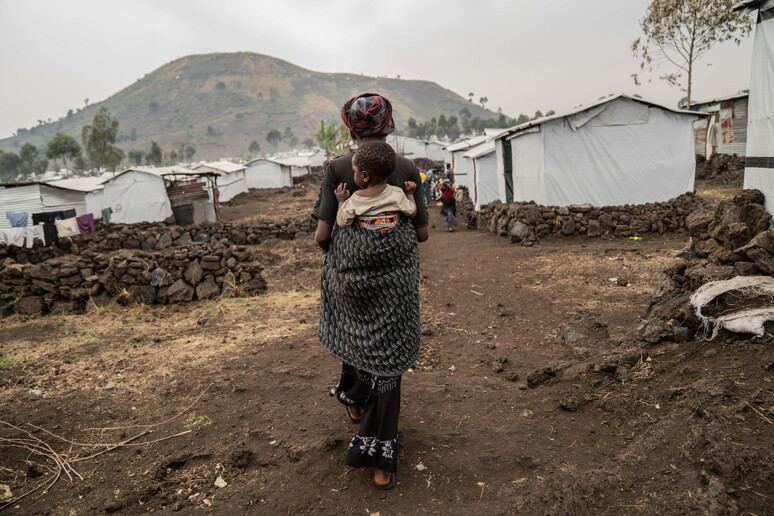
(299, 166)
(416, 148)
(759, 161)
(267, 173)
(231, 182)
(463, 169)
(136, 195)
(483, 183)
(619, 150)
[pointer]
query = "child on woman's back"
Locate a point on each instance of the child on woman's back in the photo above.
(377, 205)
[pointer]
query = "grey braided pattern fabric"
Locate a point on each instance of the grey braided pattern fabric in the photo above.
(369, 307)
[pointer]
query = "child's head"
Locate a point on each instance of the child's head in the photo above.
(373, 163)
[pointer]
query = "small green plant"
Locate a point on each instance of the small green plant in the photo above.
(10, 304)
(195, 420)
(7, 364)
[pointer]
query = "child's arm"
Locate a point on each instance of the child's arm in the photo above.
(410, 209)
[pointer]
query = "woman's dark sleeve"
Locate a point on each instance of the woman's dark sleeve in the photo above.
(420, 219)
(327, 204)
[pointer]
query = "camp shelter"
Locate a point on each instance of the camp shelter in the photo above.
(416, 148)
(36, 197)
(231, 181)
(759, 156)
(482, 160)
(91, 186)
(299, 165)
(191, 194)
(617, 150)
(136, 195)
(461, 167)
(267, 173)
(724, 131)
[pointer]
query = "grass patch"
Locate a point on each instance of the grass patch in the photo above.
(197, 420)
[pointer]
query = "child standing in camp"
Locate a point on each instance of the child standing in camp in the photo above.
(377, 205)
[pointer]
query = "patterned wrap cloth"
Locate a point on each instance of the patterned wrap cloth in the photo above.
(368, 114)
(369, 310)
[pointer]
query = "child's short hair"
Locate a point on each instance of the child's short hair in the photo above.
(377, 158)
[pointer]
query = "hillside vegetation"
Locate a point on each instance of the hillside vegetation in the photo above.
(221, 102)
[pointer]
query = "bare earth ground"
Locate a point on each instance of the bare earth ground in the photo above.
(684, 430)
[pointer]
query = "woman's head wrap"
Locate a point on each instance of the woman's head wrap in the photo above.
(368, 114)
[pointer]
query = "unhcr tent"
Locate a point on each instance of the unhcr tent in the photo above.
(416, 148)
(267, 173)
(483, 180)
(759, 161)
(618, 150)
(463, 170)
(136, 195)
(299, 166)
(231, 182)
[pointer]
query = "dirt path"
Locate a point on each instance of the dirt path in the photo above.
(476, 439)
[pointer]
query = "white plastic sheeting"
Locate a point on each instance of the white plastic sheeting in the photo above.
(620, 152)
(740, 321)
(264, 173)
(483, 182)
(231, 185)
(136, 196)
(760, 128)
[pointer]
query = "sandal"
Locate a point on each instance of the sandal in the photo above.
(388, 485)
(349, 414)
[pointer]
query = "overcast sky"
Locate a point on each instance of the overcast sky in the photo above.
(523, 55)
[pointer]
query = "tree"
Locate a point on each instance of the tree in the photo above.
(98, 139)
(470, 97)
(153, 106)
(155, 155)
(308, 143)
(331, 137)
(680, 32)
(254, 147)
(220, 85)
(190, 150)
(9, 166)
(63, 146)
(136, 156)
(31, 163)
(483, 101)
(274, 137)
(289, 137)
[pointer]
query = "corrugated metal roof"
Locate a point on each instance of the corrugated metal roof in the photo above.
(581, 108)
(721, 99)
(79, 184)
(156, 171)
(748, 4)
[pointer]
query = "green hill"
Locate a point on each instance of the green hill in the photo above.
(222, 102)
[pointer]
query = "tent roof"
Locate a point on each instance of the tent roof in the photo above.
(158, 171)
(297, 161)
(222, 166)
(582, 108)
(482, 149)
(466, 143)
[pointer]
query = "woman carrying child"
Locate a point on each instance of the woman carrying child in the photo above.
(370, 217)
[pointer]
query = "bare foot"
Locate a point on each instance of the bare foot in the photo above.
(381, 477)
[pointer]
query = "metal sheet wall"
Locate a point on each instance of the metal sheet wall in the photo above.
(19, 198)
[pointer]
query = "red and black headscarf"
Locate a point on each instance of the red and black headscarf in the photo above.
(368, 114)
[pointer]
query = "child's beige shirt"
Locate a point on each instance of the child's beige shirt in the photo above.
(387, 204)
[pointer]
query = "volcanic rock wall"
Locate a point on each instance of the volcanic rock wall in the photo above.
(175, 274)
(525, 222)
(158, 236)
(732, 240)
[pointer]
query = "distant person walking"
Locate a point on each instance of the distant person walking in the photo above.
(449, 173)
(448, 205)
(369, 305)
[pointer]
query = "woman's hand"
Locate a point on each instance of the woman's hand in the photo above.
(342, 194)
(410, 187)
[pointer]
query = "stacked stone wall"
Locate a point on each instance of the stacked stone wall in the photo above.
(527, 222)
(171, 275)
(159, 236)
